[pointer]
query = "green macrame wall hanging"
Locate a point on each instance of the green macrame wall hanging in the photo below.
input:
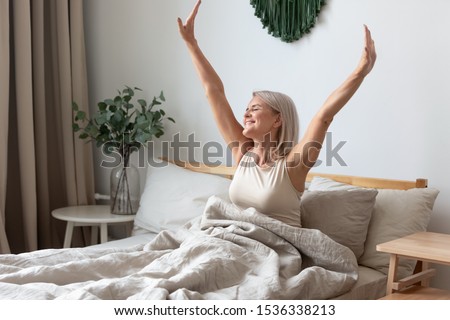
(288, 20)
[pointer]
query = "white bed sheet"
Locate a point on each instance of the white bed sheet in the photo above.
(132, 241)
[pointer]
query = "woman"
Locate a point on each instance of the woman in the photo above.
(273, 164)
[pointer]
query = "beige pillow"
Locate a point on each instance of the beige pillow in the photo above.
(397, 213)
(342, 215)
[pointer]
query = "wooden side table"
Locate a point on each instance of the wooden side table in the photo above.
(94, 216)
(425, 247)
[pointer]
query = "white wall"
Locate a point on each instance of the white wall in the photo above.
(395, 126)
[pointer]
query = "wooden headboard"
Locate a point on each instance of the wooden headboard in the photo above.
(365, 182)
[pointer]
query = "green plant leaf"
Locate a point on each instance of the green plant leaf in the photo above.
(102, 106)
(170, 119)
(159, 133)
(155, 102)
(155, 130)
(161, 96)
(128, 91)
(91, 130)
(156, 116)
(109, 114)
(143, 137)
(75, 127)
(101, 118)
(142, 122)
(118, 101)
(81, 115)
(103, 137)
(117, 118)
(109, 102)
(142, 102)
(74, 106)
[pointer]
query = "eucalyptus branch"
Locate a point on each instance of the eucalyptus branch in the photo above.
(119, 122)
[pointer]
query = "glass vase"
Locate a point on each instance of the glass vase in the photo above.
(125, 189)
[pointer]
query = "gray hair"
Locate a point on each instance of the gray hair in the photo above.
(289, 131)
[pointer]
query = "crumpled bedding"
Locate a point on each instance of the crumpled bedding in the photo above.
(227, 253)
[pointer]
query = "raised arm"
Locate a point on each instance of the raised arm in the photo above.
(229, 127)
(309, 146)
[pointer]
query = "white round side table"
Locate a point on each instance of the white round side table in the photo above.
(94, 216)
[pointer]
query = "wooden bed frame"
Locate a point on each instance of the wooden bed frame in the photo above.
(365, 182)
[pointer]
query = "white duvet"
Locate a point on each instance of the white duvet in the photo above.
(225, 254)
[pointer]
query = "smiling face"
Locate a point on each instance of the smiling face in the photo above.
(260, 119)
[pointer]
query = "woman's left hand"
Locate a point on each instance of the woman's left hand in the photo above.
(369, 55)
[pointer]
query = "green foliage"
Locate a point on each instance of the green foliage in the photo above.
(120, 125)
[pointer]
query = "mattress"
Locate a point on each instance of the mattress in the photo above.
(371, 285)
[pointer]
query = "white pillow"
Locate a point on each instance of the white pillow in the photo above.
(325, 184)
(173, 196)
(397, 213)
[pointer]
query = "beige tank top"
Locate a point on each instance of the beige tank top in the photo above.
(267, 189)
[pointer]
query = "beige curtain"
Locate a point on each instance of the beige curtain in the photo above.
(43, 165)
(4, 90)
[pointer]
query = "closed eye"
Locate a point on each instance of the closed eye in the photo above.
(253, 108)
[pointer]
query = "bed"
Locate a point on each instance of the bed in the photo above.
(190, 242)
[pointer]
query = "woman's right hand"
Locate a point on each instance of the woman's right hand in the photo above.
(187, 29)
